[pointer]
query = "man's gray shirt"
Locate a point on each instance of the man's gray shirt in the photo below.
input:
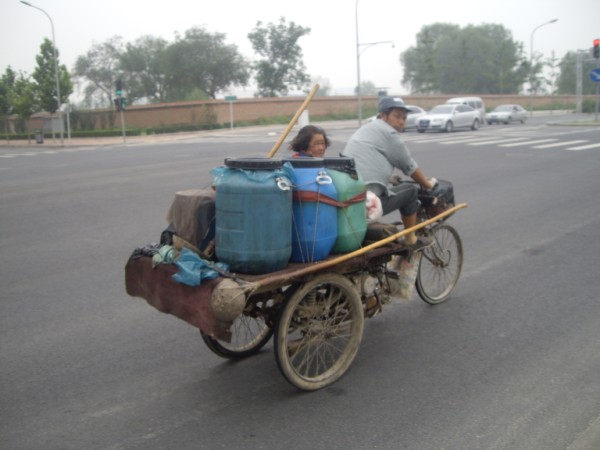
(377, 149)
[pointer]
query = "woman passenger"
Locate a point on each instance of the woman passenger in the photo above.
(311, 141)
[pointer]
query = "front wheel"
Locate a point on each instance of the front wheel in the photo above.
(319, 331)
(449, 127)
(441, 264)
(475, 125)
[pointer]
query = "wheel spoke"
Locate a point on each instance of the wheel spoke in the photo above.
(441, 265)
(319, 331)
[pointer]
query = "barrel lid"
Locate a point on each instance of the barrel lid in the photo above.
(305, 162)
(253, 163)
(340, 163)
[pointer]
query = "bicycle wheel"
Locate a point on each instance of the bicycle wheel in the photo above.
(249, 333)
(319, 331)
(440, 265)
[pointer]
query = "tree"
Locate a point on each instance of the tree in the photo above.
(367, 88)
(554, 69)
(7, 82)
(24, 97)
(144, 63)
(202, 61)
(567, 79)
(98, 71)
(450, 60)
(45, 78)
(281, 66)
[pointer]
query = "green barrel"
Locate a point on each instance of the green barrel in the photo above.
(351, 189)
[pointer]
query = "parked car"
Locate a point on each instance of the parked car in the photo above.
(474, 102)
(414, 112)
(507, 114)
(448, 117)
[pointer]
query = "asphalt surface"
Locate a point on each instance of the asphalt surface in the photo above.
(511, 361)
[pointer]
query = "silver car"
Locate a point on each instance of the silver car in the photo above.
(449, 117)
(414, 112)
(507, 114)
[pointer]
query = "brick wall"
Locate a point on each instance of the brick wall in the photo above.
(252, 109)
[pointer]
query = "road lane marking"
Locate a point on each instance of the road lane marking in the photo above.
(496, 141)
(460, 141)
(516, 144)
(584, 147)
(559, 144)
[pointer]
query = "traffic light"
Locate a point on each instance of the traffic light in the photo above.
(119, 87)
(120, 103)
(596, 51)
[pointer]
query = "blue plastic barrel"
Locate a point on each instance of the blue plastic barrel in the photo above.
(253, 214)
(314, 221)
(352, 213)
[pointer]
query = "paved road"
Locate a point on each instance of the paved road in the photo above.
(510, 362)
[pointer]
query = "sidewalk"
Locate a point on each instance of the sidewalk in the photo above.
(273, 130)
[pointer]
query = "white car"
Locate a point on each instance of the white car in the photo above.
(414, 112)
(507, 114)
(449, 117)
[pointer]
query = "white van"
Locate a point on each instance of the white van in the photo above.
(473, 102)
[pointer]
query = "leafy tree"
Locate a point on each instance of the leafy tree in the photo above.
(7, 82)
(24, 97)
(98, 71)
(281, 66)
(567, 80)
(367, 88)
(45, 78)
(448, 59)
(554, 70)
(146, 69)
(202, 61)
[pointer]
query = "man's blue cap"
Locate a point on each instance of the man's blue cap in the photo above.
(386, 103)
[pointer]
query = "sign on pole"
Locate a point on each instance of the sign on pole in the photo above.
(595, 75)
(230, 99)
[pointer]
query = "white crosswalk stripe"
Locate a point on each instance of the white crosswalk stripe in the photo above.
(584, 147)
(496, 141)
(558, 144)
(517, 144)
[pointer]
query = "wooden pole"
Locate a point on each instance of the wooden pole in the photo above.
(332, 262)
(307, 100)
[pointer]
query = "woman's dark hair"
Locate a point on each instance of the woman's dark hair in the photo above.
(302, 140)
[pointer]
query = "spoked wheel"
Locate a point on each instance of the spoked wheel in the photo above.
(249, 333)
(319, 331)
(440, 266)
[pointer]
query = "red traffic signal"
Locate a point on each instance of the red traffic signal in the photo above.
(596, 51)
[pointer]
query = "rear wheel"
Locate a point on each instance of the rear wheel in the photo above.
(319, 331)
(440, 266)
(249, 333)
(475, 125)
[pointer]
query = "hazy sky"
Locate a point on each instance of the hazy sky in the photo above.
(330, 48)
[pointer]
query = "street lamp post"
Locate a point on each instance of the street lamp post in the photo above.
(55, 65)
(531, 63)
(358, 53)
